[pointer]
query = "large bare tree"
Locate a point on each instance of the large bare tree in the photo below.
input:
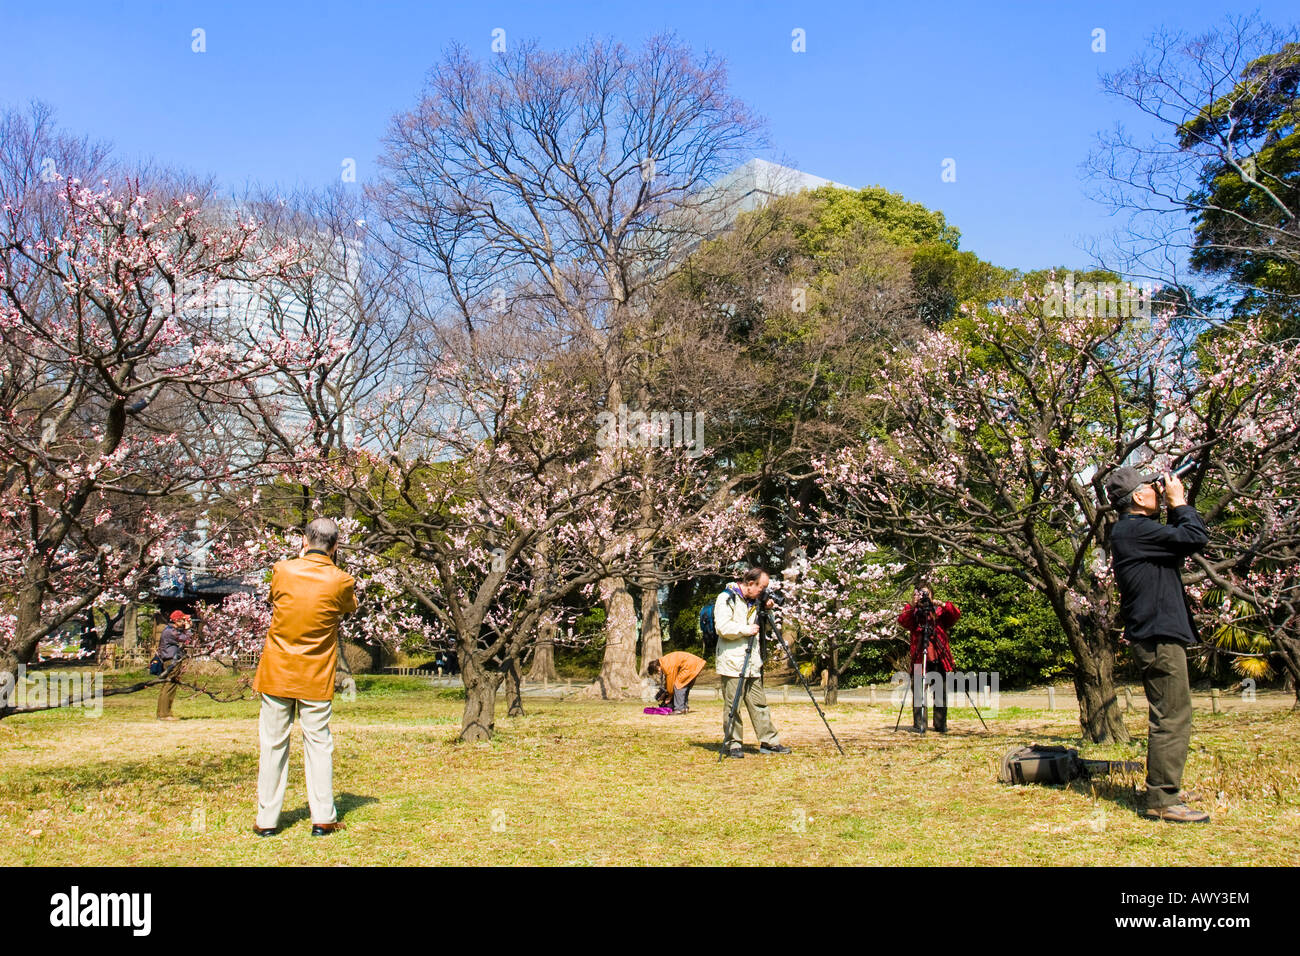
(569, 182)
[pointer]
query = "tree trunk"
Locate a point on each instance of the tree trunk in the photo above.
(618, 678)
(652, 641)
(28, 625)
(1288, 649)
(543, 666)
(479, 718)
(833, 676)
(130, 628)
(514, 689)
(1100, 714)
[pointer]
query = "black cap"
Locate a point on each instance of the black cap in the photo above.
(1124, 480)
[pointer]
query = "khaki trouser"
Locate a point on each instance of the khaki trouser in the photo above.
(274, 727)
(166, 694)
(1169, 718)
(760, 718)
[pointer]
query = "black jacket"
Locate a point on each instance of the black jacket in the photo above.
(169, 645)
(1148, 560)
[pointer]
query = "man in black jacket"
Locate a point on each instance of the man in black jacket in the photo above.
(1147, 557)
(170, 651)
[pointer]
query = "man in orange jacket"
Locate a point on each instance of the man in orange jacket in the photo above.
(676, 673)
(309, 596)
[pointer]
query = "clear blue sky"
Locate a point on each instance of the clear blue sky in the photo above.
(884, 93)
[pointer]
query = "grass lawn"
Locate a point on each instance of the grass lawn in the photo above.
(601, 783)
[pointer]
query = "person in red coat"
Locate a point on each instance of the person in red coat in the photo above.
(923, 619)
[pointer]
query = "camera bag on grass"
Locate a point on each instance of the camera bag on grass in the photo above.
(1040, 763)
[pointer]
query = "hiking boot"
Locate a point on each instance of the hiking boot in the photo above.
(941, 719)
(735, 752)
(773, 749)
(1178, 813)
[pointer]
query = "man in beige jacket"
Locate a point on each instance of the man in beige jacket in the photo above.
(735, 617)
(309, 596)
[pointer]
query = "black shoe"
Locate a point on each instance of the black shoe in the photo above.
(774, 749)
(325, 829)
(264, 831)
(735, 752)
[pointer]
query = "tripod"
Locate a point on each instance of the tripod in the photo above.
(767, 624)
(735, 703)
(765, 616)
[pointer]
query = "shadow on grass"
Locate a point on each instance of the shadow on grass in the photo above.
(344, 803)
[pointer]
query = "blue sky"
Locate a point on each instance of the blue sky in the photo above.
(884, 94)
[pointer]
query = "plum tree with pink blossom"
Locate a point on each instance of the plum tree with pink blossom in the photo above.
(117, 365)
(838, 601)
(1003, 427)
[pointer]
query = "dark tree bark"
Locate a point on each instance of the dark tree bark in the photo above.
(479, 718)
(543, 666)
(652, 642)
(514, 689)
(618, 677)
(833, 675)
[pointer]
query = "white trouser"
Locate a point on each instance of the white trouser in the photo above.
(317, 756)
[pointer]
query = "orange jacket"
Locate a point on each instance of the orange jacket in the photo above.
(679, 669)
(309, 595)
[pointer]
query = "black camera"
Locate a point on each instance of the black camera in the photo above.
(1178, 472)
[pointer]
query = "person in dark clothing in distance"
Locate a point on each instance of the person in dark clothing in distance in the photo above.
(170, 651)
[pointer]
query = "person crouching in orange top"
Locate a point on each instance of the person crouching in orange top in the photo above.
(309, 596)
(676, 673)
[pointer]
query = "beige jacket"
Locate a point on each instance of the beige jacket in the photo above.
(732, 618)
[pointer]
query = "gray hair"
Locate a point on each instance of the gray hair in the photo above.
(322, 533)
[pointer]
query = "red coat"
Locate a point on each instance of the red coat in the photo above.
(945, 616)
